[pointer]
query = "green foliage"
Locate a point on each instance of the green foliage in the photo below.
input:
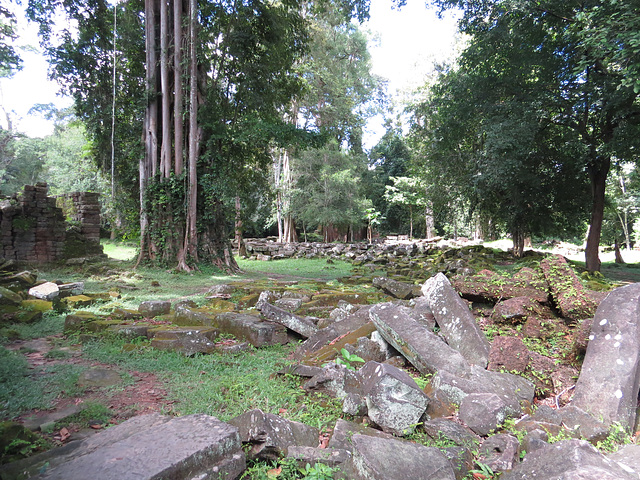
(348, 359)
(533, 105)
(319, 471)
(51, 324)
(10, 61)
(617, 437)
(328, 190)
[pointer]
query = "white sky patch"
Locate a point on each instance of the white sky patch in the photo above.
(29, 86)
(407, 44)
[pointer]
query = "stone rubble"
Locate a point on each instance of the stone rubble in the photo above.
(463, 402)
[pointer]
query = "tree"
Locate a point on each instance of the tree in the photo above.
(335, 101)
(408, 192)
(10, 60)
(239, 58)
(327, 192)
(559, 63)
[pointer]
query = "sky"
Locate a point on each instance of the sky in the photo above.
(405, 45)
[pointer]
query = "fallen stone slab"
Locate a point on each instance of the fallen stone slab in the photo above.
(298, 324)
(484, 412)
(450, 389)
(569, 295)
(568, 460)
(457, 323)
(421, 311)
(394, 401)
(9, 297)
(45, 291)
(445, 430)
(344, 430)
(311, 455)
(400, 290)
(425, 350)
(628, 457)
(334, 380)
(269, 436)
(186, 340)
(154, 308)
(490, 287)
(609, 381)
(324, 345)
(385, 459)
(500, 452)
(251, 329)
(155, 446)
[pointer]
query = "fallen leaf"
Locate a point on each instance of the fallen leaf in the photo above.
(96, 426)
(274, 472)
(282, 411)
(64, 434)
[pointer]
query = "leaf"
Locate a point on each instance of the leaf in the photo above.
(274, 472)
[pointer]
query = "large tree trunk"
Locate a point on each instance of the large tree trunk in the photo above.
(598, 172)
(194, 134)
(518, 237)
(165, 151)
(178, 88)
(148, 163)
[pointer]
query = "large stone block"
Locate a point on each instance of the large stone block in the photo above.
(568, 460)
(394, 400)
(425, 350)
(457, 324)
(151, 447)
(610, 377)
(298, 324)
(251, 329)
(384, 459)
(269, 436)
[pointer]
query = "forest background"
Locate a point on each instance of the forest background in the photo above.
(200, 119)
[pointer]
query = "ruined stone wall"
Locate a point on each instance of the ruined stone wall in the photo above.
(33, 227)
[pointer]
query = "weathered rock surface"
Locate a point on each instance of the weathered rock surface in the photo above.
(45, 291)
(610, 377)
(401, 290)
(483, 412)
(154, 446)
(298, 324)
(567, 290)
(154, 308)
(457, 324)
(488, 286)
(425, 350)
(394, 401)
(384, 459)
(344, 430)
(500, 452)
(269, 436)
(508, 354)
(186, 340)
(250, 328)
(332, 457)
(568, 460)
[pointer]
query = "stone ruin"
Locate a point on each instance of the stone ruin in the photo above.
(428, 328)
(34, 228)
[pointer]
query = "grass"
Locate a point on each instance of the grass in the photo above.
(222, 385)
(51, 324)
(22, 389)
(313, 268)
(119, 250)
